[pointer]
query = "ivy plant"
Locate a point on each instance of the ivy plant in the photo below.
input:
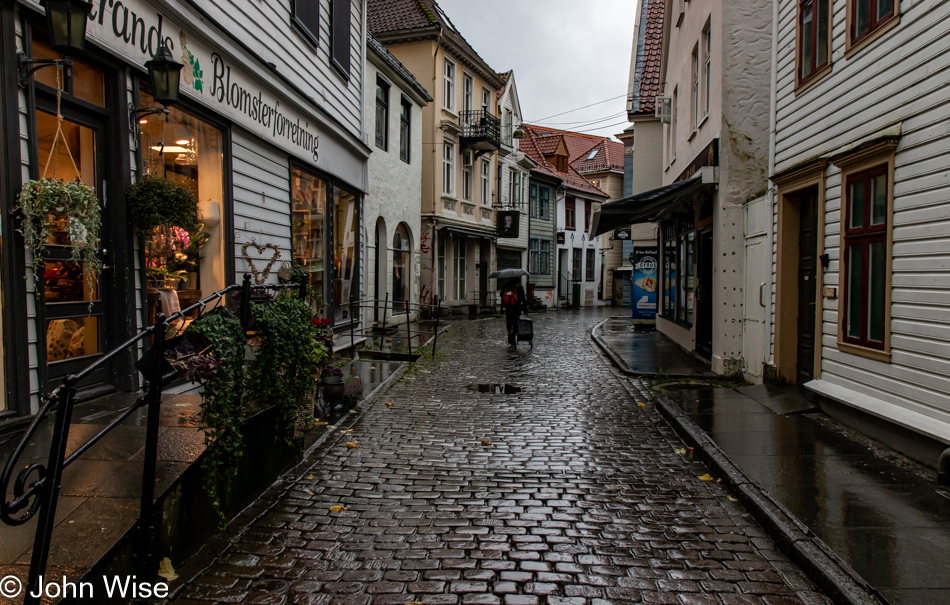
(224, 402)
(290, 357)
(50, 206)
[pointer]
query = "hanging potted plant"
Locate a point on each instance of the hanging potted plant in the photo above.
(155, 202)
(52, 210)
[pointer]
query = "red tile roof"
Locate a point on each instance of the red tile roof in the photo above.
(534, 147)
(392, 16)
(580, 146)
(647, 80)
(609, 157)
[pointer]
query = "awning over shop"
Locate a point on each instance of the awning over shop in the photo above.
(469, 231)
(652, 205)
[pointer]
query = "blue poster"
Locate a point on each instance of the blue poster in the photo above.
(645, 282)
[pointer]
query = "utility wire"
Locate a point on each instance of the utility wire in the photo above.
(578, 109)
(610, 117)
(595, 122)
(602, 127)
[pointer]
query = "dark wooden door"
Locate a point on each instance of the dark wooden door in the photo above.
(807, 284)
(704, 294)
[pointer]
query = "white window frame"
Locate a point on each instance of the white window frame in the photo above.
(448, 168)
(458, 262)
(467, 183)
(707, 67)
(486, 183)
(486, 99)
(694, 68)
(514, 189)
(448, 84)
(468, 92)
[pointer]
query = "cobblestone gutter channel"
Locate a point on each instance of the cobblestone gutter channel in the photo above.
(567, 492)
(799, 543)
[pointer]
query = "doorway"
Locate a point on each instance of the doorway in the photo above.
(73, 315)
(380, 285)
(807, 285)
(704, 295)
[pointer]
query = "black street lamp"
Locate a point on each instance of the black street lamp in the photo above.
(66, 25)
(165, 73)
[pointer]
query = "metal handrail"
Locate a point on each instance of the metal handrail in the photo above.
(40, 496)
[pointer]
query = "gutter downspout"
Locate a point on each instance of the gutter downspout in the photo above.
(435, 165)
(773, 102)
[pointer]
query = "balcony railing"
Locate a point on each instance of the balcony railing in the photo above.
(480, 130)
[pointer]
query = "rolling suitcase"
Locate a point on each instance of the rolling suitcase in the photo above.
(526, 330)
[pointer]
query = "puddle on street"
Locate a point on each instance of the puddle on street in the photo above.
(495, 388)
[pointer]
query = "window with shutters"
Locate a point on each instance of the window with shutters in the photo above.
(305, 15)
(340, 25)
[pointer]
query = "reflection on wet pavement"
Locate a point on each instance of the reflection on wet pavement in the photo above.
(649, 352)
(886, 522)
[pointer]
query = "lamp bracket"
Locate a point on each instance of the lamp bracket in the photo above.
(138, 113)
(26, 66)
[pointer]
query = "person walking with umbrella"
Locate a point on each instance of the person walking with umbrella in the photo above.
(514, 302)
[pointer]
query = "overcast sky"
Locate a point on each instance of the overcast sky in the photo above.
(566, 54)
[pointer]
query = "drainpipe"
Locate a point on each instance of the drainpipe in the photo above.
(770, 195)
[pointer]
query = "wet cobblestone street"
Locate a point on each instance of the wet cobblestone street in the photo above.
(566, 492)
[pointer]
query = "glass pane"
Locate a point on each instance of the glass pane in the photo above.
(807, 39)
(823, 27)
(308, 226)
(856, 200)
(863, 18)
(189, 153)
(72, 337)
(876, 281)
(344, 254)
(68, 282)
(854, 291)
(879, 199)
(80, 141)
(884, 8)
(88, 83)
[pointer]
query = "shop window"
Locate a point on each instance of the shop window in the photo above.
(679, 259)
(669, 272)
(308, 227)
(83, 81)
(183, 265)
(345, 274)
(402, 255)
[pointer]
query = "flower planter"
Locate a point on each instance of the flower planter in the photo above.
(331, 380)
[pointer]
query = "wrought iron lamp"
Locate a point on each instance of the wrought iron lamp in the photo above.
(164, 72)
(66, 25)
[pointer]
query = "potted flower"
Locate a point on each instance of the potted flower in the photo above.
(331, 375)
(154, 202)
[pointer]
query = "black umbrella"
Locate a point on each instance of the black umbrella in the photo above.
(506, 273)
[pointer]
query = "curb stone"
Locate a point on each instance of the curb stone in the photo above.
(622, 365)
(796, 541)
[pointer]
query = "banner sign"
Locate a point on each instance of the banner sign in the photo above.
(645, 282)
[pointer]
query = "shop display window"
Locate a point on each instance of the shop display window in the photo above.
(345, 277)
(184, 264)
(308, 227)
(83, 81)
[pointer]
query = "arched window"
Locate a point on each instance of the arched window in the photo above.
(402, 255)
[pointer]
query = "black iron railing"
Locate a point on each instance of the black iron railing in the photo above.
(480, 126)
(39, 495)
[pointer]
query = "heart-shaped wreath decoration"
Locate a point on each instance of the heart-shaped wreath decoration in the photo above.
(260, 276)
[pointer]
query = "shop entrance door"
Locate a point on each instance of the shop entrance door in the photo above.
(807, 286)
(72, 317)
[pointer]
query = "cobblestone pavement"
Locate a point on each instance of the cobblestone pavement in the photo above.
(567, 492)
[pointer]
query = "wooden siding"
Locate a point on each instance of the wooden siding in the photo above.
(261, 201)
(900, 77)
(266, 28)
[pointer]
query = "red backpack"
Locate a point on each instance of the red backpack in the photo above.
(509, 298)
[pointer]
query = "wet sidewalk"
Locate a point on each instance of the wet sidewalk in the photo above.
(647, 352)
(877, 511)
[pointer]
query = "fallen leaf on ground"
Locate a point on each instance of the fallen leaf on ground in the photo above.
(319, 423)
(352, 444)
(337, 508)
(486, 442)
(416, 603)
(640, 404)
(166, 571)
(706, 477)
(352, 411)
(731, 499)
(389, 404)
(330, 426)
(680, 451)
(347, 431)
(308, 492)
(309, 477)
